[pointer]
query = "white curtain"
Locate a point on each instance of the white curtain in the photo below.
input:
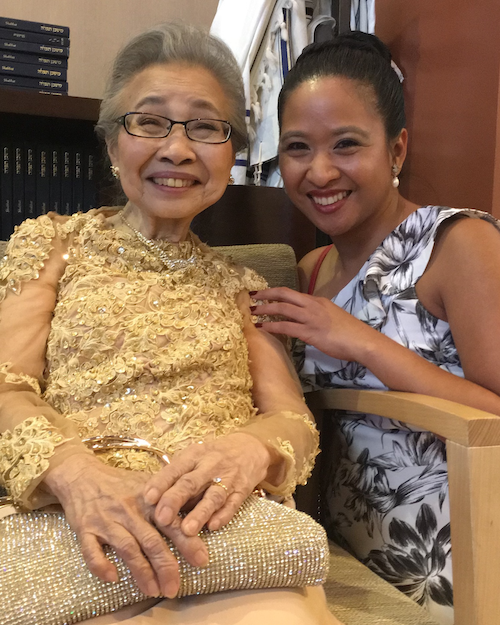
(266, 37)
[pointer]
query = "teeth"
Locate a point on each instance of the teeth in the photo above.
(324, 201)
(173, 182)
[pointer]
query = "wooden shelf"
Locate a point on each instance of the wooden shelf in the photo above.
(67, 107)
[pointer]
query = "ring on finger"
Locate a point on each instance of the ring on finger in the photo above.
(217, 481)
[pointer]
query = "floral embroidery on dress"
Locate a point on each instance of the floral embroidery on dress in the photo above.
(25, 453)
(19, 378)
(385, 487)
(136, 349)
(125, 330)
(26, 253)
(131, 459)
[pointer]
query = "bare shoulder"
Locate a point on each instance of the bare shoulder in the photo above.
(466, 279)
(306, 266)
(467, 243)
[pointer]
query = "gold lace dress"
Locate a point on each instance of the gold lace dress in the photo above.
(98, 338)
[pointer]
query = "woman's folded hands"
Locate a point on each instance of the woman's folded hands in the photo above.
(106, 506)
(130, 510)
(211, 479)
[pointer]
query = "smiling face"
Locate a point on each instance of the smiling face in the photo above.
(335, 158)
(169, 181)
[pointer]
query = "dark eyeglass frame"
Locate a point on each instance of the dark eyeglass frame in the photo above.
(122, 121)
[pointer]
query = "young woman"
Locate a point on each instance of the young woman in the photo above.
(406, 298)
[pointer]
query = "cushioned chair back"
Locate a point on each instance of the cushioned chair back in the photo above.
(276, 262)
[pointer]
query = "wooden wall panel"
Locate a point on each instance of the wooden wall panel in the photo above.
(100, 27)
(449, 53)
(496, 173)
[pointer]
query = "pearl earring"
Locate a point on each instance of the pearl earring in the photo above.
(395, 179)
(231, 180)
(115, 171)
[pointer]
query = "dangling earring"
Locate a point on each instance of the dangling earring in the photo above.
(231, 180)
(115, 171)
(395, 179)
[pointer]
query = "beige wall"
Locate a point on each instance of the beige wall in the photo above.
(99, 27)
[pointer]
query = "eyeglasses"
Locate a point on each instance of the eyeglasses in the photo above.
(150, 126)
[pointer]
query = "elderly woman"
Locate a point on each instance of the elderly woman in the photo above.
(122, 338)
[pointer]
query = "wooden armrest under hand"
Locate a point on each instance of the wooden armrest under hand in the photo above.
(454, 422)
(473, 454)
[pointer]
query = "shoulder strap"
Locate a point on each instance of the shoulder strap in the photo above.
(317, 266)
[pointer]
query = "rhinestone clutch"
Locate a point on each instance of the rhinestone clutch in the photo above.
(44, 579)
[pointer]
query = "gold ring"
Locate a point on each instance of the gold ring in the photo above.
(217, 481)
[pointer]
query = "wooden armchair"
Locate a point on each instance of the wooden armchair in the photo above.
(473, 450)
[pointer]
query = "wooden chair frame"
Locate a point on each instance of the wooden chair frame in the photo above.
(473, 450)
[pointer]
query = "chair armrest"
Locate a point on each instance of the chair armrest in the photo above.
(473, 456)
(455, 422)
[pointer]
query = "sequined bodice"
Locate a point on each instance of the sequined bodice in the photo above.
(135, 350)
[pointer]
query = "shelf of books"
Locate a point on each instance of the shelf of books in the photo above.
(49, 154)
(50, 157)
(34, 56)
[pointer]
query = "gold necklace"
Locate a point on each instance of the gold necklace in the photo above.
(172, 264)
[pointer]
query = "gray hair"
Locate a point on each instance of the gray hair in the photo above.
(174, 43)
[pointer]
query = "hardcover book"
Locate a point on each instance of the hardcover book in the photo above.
(18, 35)
(34, 71)
(89, 180)
(6, 225)
(33, 59)
(18, 184)
(35, 27)
(42, 166)
(34, 83)
(77, 203)
(33, 90)
(35, 48)
(55, 181)
(29, 183)
(66, 181)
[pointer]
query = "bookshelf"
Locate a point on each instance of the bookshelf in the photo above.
(35, 117)
(62, 107)
(55, 159)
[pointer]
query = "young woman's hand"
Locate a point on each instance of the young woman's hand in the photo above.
(316, 321)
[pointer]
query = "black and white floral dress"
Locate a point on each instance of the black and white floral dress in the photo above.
(385, 491)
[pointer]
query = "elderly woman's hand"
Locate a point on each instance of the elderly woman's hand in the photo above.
(239, 460)
(105, 506)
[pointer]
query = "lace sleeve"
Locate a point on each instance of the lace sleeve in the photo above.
(33, 436)
(295, 437)
(284, 423)
(25, 452)
(26, 253)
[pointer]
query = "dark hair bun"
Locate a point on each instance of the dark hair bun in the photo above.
(364, 41)
(354, 40)
(356, 56)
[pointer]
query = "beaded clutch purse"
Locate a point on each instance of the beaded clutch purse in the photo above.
(44, 578)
